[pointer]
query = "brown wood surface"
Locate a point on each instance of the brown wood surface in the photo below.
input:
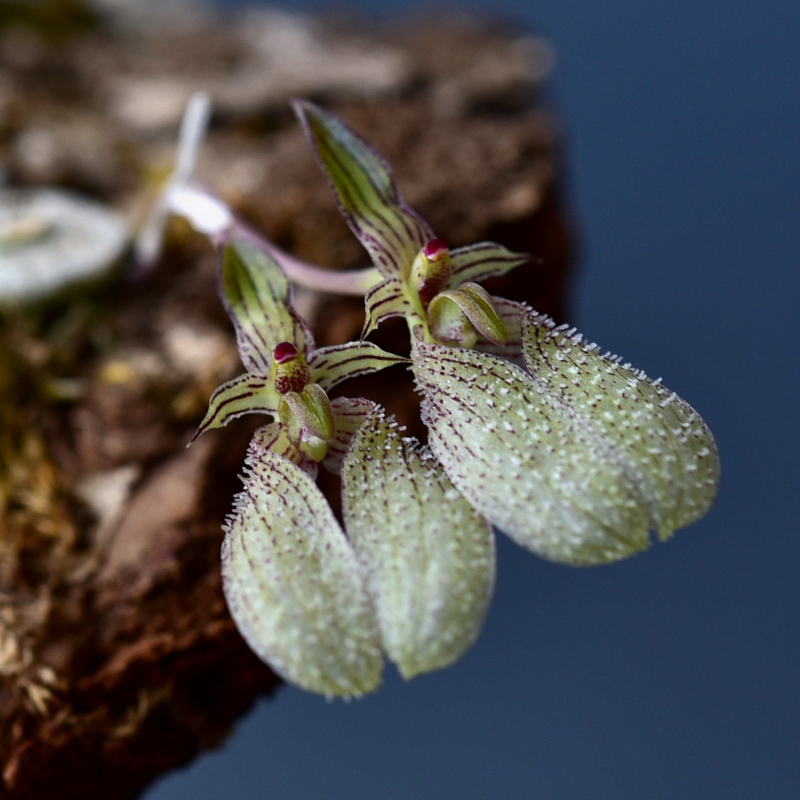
(118, 659)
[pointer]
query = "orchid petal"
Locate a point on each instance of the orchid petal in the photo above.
(477, 262)
(663, 444)
(294, 586)
(349, 414)
(332, 365)
(273, 437)
(428, 556)
(475, 303)
(525, 460)
(255, 293)
(383, 301)
(248, 394)
(391, 232)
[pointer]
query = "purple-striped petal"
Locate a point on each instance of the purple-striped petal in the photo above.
(332, 365)
(483, 260)
(250, 393)
(383, 301)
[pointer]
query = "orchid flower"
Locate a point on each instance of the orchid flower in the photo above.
(286, 376)
(413, 576)
(572, 455)
(424, 281)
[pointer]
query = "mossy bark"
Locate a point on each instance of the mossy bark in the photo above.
(117, 655)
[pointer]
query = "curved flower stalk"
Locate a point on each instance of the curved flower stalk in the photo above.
(185, 196)
(574, 456)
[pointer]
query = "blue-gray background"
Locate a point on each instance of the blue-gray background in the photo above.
(675, 674)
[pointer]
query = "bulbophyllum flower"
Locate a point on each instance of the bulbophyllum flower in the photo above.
(286, 377)
(414, 575)
(573, 455)
(421, 279)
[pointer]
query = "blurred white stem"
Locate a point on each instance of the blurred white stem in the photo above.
(184, 196)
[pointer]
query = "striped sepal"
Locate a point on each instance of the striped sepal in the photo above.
(483, 260)
(248, 394)
(666, 449)
(332, 365)
(390, 230)
(294, 586)
(428, 556)
(255, 293)
(385, 300)
(525, 460)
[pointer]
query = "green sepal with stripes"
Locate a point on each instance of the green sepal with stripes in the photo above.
(476, 262)
(248, 394)
(255, 293)
(332, 365)
(390, 231)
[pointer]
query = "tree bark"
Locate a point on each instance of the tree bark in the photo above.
(118, 658)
